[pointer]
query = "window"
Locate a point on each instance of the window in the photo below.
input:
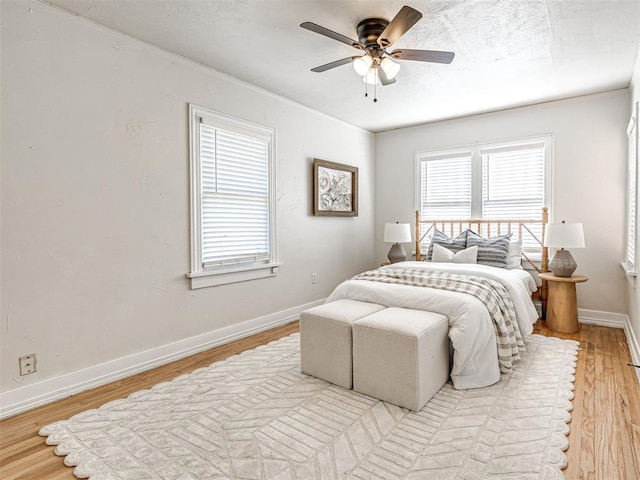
(513, 181)
(446, 186)
(509, 180)
(232, 199)
(629, 263)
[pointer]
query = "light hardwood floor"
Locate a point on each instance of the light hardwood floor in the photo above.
(605, 428)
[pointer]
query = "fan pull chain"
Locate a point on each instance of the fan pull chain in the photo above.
(375, 88)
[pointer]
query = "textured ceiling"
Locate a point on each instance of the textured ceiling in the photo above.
(508, 52)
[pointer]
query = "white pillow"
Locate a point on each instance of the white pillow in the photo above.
(514, 258)
(444, 255)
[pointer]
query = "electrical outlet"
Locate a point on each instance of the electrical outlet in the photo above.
(314, 278)
(28, 364)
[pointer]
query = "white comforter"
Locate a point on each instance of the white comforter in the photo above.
(471, 331)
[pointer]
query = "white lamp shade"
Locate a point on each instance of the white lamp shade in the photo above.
(390, 67)
(564, 235)
(362, 64)
(397, 232)
(371, 78)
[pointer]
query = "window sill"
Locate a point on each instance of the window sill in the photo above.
(630, 272)
(224, 277)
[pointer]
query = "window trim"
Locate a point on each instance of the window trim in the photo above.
(633, 138)
(221, 275)
(475, 150)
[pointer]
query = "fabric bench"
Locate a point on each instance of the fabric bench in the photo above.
(326, 339)
(401, 356)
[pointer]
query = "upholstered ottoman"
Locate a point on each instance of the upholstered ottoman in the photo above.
(401, 356)
(325, 339)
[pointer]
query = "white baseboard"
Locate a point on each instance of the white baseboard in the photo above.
(46, 391)
(602, 319)
(634, 347)
(614, 320)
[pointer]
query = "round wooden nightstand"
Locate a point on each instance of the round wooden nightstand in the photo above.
(562, 304)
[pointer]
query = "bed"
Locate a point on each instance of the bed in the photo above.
(478, 340)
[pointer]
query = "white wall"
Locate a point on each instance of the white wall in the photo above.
(589, 177)
(95, 197)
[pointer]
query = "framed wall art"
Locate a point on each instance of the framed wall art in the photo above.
(335, 189)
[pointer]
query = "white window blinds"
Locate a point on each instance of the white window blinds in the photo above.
(513, 182)
(235, 197)
(446, 187)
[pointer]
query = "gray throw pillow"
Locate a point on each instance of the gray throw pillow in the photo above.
(491, 251)
(453, 244)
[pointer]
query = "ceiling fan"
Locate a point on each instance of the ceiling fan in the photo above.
(375, 35)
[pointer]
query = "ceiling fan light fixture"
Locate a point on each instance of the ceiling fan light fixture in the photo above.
(390, 67)
(371, 78)
(362, 64)
(374, 63)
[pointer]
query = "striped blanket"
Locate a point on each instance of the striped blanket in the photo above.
(491, 293)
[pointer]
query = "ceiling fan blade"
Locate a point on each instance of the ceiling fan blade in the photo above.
(423, 55)
(384, 79)
(329, 66)
(331, 34)
(401, 23)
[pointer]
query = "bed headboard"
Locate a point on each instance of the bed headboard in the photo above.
(531, 231)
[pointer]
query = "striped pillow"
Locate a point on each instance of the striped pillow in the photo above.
(455, 244)
(491, 251)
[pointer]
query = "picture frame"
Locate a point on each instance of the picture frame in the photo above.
(335, 189)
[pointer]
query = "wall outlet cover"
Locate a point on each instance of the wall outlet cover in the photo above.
(28, 364)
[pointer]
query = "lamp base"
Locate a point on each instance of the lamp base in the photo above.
(397, 253)
(562, 264)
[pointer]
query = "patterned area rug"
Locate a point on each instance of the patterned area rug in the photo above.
(256, 416)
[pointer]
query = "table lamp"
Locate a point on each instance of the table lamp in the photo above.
(397, 233)
(563, 235)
